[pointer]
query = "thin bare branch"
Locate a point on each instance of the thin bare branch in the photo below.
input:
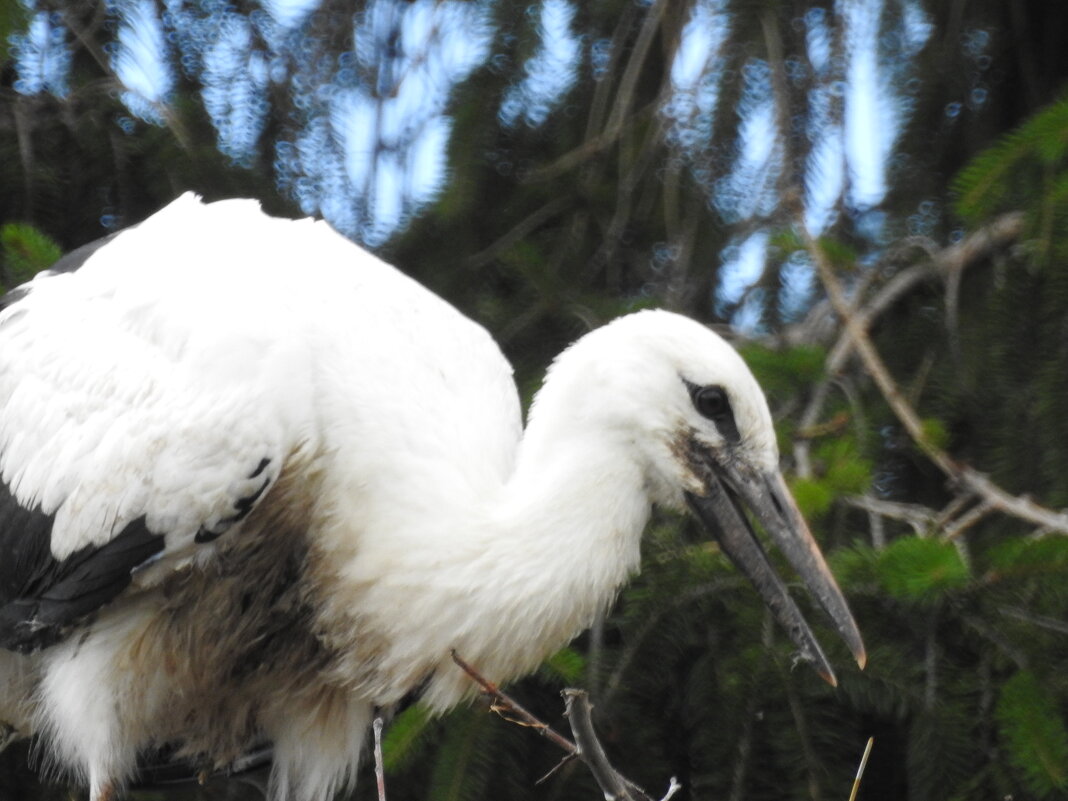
(513, 707)
(518, 232)
(967, 520)
(860, 769)
(586, 746)
(961, 476)
(953, 259)
(1042, 621)
(615, 786)
(587, 150)
(919, 518)
(380, 770)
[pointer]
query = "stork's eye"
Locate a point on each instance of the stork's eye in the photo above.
(712, 402)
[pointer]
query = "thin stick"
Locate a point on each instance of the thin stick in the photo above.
(860, 770)
(673, 787)
(513, 707)
(614, 784)
(567, 758)
(380, 768)
(964, 477)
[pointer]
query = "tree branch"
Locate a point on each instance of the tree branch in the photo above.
(502, 702)
(615, 786)
(919, 518)
(586, 747)
(963, 477)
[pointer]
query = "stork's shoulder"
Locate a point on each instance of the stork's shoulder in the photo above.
(152, 397)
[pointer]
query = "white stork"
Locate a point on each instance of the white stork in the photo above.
(256, 483)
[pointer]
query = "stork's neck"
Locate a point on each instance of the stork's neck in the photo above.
(577, 498)
(505, 579)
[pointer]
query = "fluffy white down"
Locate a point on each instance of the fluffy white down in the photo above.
(212, 336)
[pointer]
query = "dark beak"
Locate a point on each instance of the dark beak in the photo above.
(766, 496)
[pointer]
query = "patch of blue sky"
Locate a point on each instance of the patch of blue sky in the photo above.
(375, 146)
(235, 76)
(290, 14)
(465, 34)
(550, 73)
(875, 110)
(824, 179)
(871, 119)
(189, 31)
(917, 27)
(141, 59)
(742, 265)
(749, 189)
(798, 286)
(352, 120)
(42, 55)
(825, 165)
(425, 167)
(696, 74)
(818, 39)
(388, 198)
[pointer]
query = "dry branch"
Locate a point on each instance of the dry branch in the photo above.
(615, 786)
(587, 747)
(964, 478)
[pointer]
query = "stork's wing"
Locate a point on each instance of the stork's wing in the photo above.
(154, 387)
(125, 440)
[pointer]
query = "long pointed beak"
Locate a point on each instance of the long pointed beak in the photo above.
(766, 496)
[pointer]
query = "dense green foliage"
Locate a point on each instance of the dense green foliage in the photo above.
(965, 618)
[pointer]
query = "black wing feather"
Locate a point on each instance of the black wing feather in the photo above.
(41, 597)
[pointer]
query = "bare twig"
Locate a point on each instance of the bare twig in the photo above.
(967, 520)
(952, 260)
(1042, 621)
(919, 518)
(962, 476)
(673, 787)
(513, 707)
(938, 264)
(586, 746)
(555, 768)
(517, 233)
(588, 149)
(380, 770)
(633, 69)
(860, 769)
(615, 786)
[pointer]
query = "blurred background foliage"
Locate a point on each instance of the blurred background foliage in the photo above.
(547, 167)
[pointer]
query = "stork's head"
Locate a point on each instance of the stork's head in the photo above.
(688, 403)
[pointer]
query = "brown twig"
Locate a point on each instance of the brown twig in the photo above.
(586, 746)
(513, 706)
(944, 263)
(962, 476)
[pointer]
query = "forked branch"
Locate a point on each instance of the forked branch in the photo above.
(966, 479)
(587, 747)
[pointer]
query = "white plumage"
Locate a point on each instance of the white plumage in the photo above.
(277, 482)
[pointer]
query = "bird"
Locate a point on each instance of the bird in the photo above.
(256, 484)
